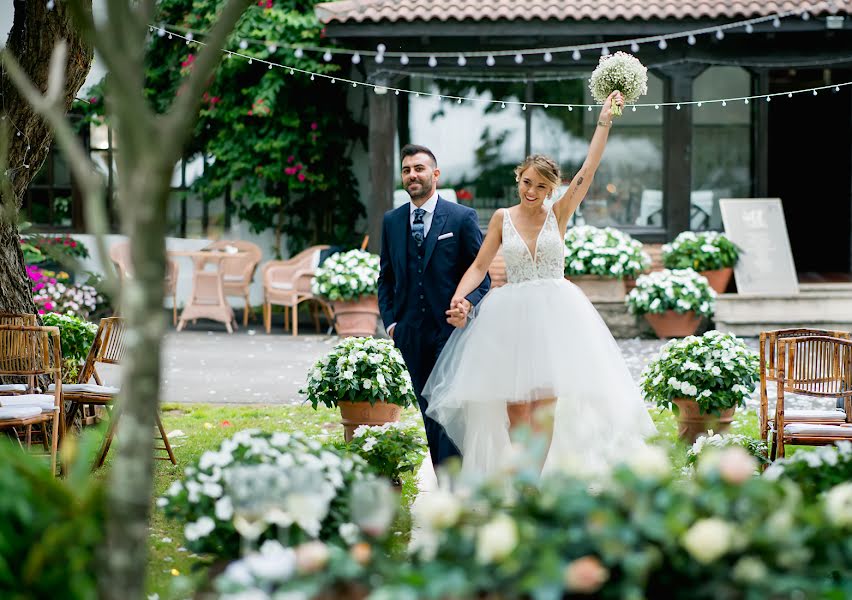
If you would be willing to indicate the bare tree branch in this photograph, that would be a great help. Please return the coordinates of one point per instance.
(50, 107)
(179, 126)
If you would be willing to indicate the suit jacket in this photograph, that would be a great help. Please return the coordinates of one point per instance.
(445, 261)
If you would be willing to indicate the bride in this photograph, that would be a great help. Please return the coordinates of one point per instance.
(536, 345)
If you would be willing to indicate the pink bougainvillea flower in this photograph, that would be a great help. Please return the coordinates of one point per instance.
(291, 158)
(314, 126)
(301, 177)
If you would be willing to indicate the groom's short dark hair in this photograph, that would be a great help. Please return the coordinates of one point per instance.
(412, 149)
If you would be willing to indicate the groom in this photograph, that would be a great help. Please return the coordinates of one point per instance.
(427, 245)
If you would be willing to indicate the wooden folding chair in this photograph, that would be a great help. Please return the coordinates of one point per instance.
(108, 349)
(820, 367)
(9, 389)
(31, 351)
(769, 352)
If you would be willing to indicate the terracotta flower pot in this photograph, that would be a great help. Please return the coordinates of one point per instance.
(356, 317)
(673, 324)
(691, 422)
(600, 289)
(353, 414)
(719, 278)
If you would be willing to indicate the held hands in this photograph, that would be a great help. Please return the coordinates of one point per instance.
(607, 110)
(459, 309)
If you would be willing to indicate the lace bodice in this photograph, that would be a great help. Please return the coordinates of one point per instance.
(549, 259)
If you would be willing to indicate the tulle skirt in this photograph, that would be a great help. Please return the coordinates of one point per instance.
(531, 341)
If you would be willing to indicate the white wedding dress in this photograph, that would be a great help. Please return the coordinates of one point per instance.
(537, 337)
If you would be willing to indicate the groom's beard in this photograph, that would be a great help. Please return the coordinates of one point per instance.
(422, 189)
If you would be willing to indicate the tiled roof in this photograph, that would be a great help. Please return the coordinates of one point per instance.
(349, 11)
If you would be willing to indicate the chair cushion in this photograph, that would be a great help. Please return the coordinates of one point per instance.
(818, 430)
(814, 416)
(86, 388)
(232, 278)
(281, 286)
(13, 387)
(19, 412)
(43, 401)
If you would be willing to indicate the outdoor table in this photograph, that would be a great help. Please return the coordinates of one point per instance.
(207, 299)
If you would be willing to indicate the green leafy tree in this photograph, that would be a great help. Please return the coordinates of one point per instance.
(282, 141)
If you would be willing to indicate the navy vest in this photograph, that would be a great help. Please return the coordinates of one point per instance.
(416, 310)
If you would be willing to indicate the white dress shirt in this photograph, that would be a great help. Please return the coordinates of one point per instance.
(429, 207)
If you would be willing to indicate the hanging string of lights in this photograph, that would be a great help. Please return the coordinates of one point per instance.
(384, 89)
(576, 50)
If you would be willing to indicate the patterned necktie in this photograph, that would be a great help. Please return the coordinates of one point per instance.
(417, 227)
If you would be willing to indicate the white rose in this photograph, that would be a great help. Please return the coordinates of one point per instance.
(650, 462)
(838, 504)
(436, 510)
(708, 539)
(496, 539)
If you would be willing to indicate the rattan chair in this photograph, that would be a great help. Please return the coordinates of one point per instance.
(287, 283)
(238, 272)
(107, 349)
(8, 389)
(815, 366)
(769, 352)
(119, 254)
(32, 351)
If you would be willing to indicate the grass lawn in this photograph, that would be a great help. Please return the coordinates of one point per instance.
(173, 570)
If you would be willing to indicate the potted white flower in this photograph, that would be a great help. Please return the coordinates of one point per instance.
(702, 379)
(366, 378)
(390, 449)
(709, 252)
(672, 301)
(598, 261)
(350, 281)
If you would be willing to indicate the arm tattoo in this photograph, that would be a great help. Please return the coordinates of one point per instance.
(580, 181)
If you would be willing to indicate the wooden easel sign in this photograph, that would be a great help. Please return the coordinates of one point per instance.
(758, 227)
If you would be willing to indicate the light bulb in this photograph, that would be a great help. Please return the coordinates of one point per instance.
(690, 40)
(519, 58)
(433, 61)
(403, 59)
(548, 57)
(634, 47)
(663, 44)
(356, 58)
(327, 56)
(720, 34)
(575, 55)
(462, 60)
(490, 61)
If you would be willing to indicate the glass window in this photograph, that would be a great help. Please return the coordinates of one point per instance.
(721, 143)
(47, 202)
(477, 144)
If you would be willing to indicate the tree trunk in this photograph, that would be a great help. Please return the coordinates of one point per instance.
(34, 33)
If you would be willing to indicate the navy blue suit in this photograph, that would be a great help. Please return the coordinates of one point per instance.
(416, 285)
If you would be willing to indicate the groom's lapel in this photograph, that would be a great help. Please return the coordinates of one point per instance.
(399, 247)
(436, 229)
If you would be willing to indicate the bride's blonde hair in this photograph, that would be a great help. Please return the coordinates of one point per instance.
(544, 166)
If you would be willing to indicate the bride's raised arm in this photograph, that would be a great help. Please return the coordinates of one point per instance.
(479, 267)
(570, 200)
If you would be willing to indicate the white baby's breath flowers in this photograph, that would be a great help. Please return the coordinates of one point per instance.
(620, 71)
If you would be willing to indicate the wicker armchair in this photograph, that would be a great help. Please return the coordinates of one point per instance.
(815, 366)
(769, 351)
(30, 351)
(107, 348)
(287, 283)
(238, 272)
(119, 254)
(9, 389)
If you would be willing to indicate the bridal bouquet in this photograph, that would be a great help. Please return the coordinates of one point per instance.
(622, 72)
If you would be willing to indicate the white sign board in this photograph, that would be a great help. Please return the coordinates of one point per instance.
(757, 226)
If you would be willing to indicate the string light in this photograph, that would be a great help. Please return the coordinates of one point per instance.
(504, 103)
(634, 44)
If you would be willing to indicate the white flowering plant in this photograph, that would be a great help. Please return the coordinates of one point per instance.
(284, 486)
(716, 369)
(701, 251)
(347, 276)
(605, 252)
(620, 71)
(815, 470)
(680, 290)
(390, 449)
(76, 336)
(360, 369)
(642, 534)
(716, 441)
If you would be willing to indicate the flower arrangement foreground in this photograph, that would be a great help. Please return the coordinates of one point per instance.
(347, 276)
(605, 252)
